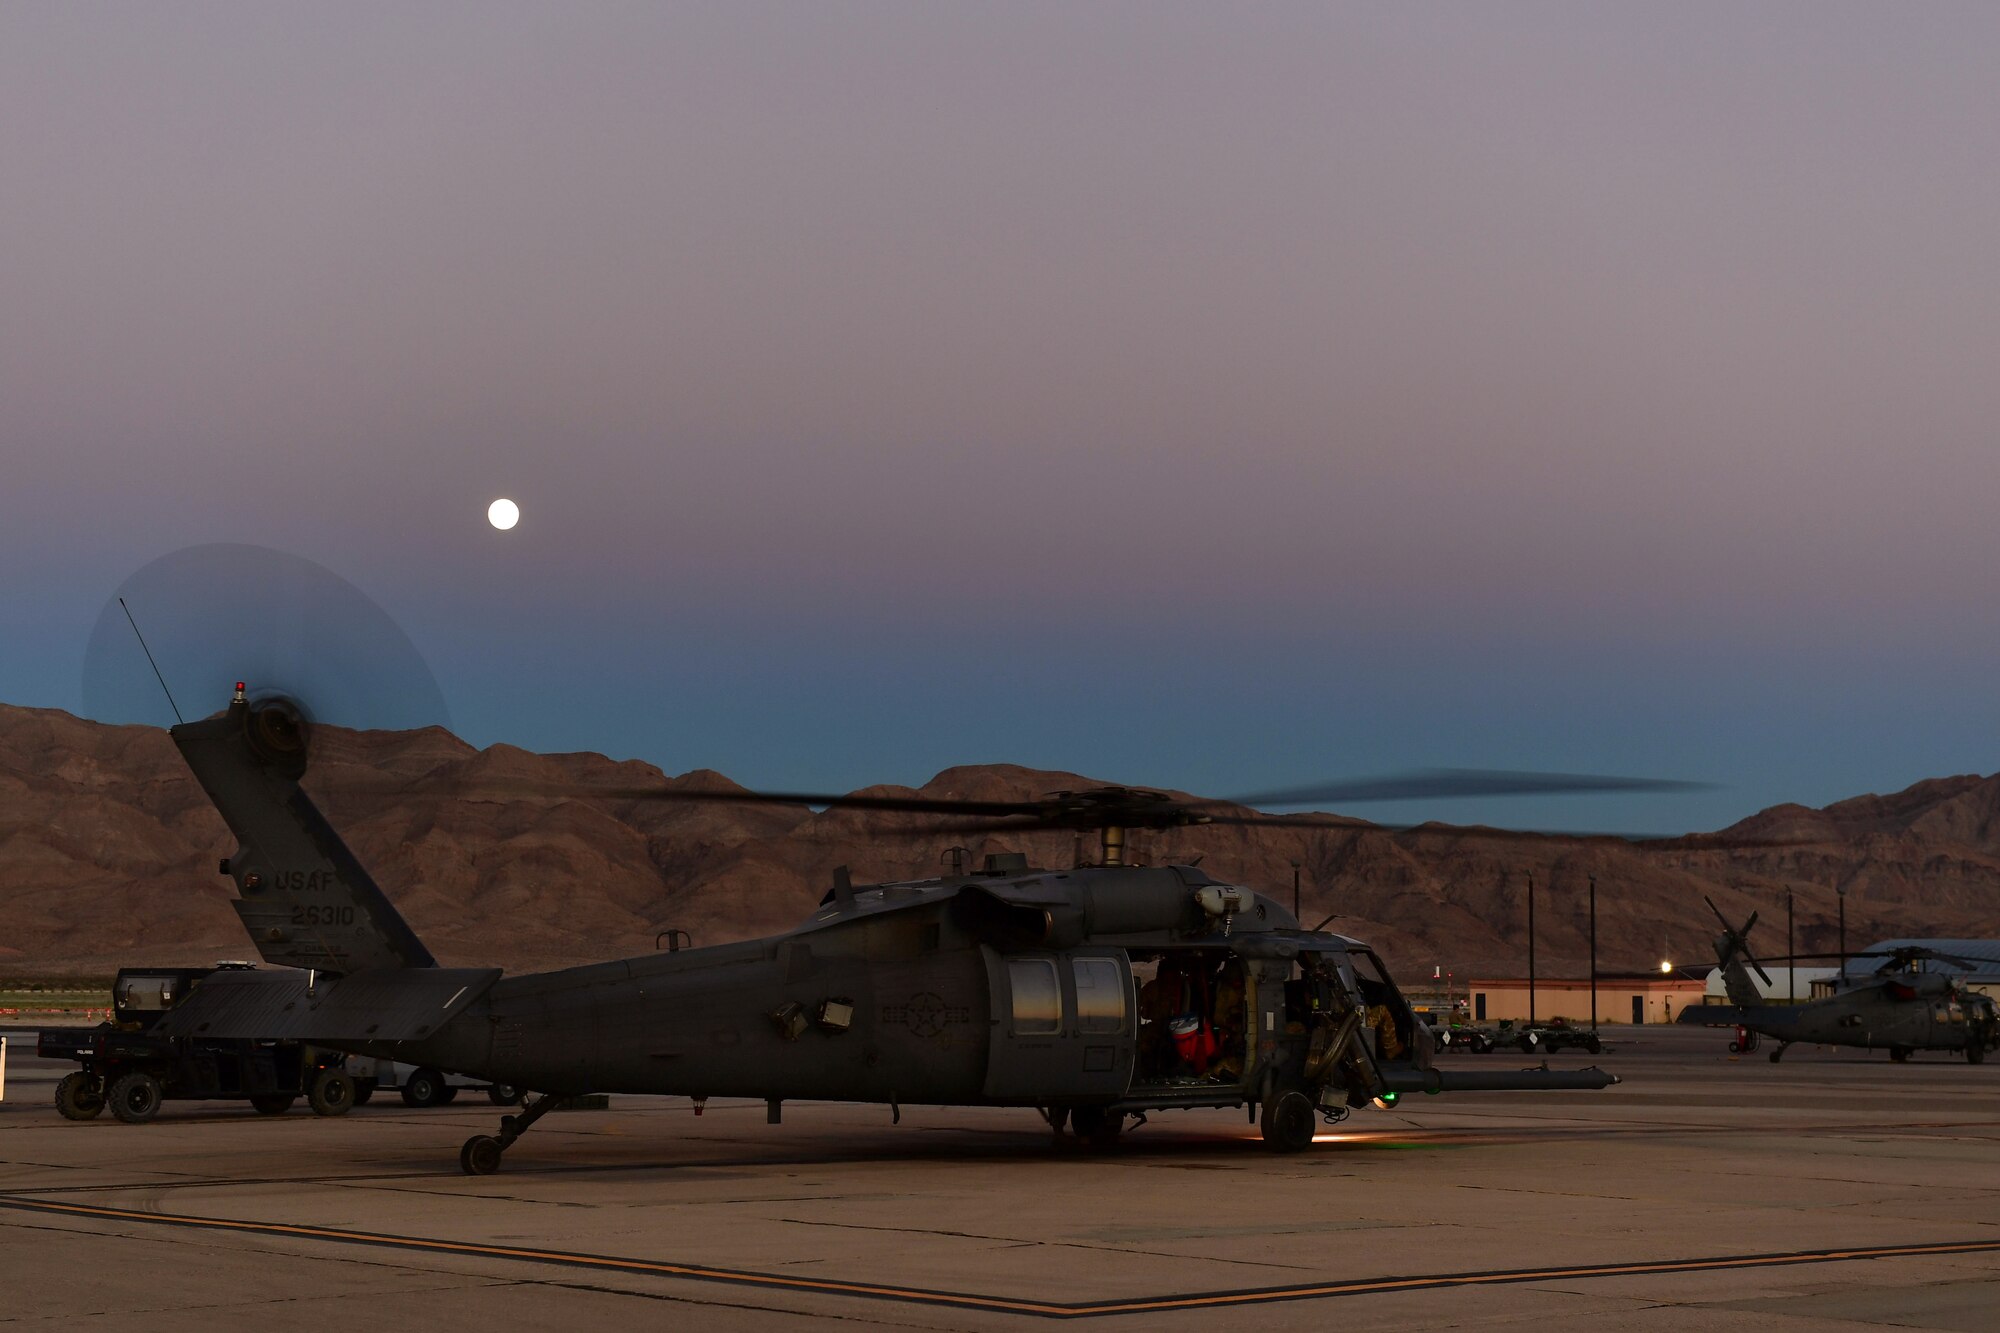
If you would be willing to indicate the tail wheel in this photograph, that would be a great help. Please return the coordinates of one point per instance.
(79, 1097)
(135, 1097)
(1527, 1045)
(1899, 1053)
(1289, 1121)
(273, 1103)
(332, 1092)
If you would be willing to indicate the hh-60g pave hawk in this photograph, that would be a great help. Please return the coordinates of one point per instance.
(1097, 994)
(1903, 1006)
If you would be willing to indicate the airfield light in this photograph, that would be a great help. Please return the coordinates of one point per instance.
(1666, 968)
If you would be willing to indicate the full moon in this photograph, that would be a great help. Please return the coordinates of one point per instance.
(503, 514)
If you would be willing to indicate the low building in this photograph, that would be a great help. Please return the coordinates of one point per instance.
(1786, 985)
(1622, 997)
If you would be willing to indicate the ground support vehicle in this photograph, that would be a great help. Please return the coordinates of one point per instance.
(131, 1069)
(1466, 1037)
(1557, 1037)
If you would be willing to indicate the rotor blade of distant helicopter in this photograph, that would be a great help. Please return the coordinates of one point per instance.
(1912, 955)
(1431, 784)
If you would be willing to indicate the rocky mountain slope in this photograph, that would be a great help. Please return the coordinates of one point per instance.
(108, 856)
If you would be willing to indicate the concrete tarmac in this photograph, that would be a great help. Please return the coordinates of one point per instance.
(1833, 1191)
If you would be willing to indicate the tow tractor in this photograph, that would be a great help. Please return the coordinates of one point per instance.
(127, 1067)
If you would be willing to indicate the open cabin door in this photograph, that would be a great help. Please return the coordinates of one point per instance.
(1062, 1025)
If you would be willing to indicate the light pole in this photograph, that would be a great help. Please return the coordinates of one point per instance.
(1593, 953)
(1531, 948)
(1295, 891)
(1840, 891)
(1791, 953)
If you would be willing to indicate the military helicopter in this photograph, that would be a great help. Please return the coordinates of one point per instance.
(1903, 1005)
(1097, 995)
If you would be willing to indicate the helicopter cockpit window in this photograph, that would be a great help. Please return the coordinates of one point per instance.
(1037, 996)
(1100, 995)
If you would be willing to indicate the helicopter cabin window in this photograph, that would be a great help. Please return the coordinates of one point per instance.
(1100, 995)
(1037, 996)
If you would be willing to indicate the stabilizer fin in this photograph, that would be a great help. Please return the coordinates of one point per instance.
(304, 897)
(397, 1004)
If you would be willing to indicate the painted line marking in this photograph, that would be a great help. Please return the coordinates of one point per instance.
(1004, 1305)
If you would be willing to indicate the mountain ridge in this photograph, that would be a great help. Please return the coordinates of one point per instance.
(108, 854)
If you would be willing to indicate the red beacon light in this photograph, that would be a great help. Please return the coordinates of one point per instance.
(239, 692)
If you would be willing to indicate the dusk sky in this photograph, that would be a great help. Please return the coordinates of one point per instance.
(1217, 397)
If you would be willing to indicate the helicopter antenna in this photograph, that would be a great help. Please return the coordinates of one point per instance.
(149, 660)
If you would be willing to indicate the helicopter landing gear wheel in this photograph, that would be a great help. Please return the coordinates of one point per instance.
(480, 1154)
(1975, 1051)
(1289, 1121)
(1778, 1054)
(1096, 1126)
(1900, 1054)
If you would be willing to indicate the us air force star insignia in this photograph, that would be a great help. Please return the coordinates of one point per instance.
(926, 1014)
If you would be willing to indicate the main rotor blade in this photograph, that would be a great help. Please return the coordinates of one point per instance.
(922, 805)
(1429, 784)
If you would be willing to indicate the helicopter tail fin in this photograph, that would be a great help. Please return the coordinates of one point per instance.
(304, 897)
